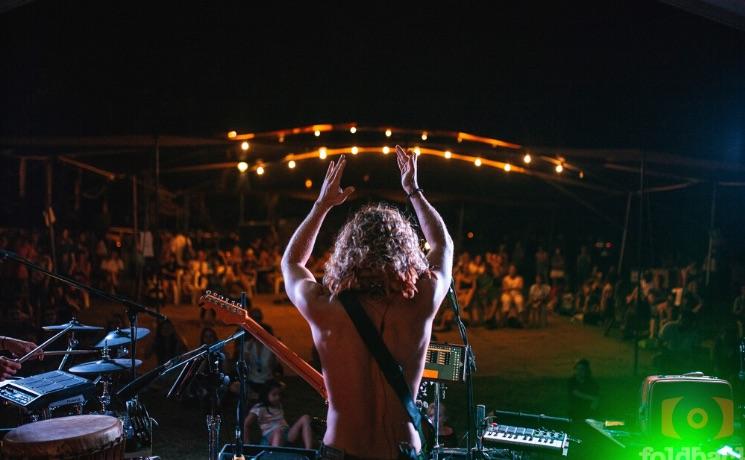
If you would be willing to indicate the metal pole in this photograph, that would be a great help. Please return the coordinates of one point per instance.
(156, 229)
(711, 232)
(625, 234)
(640, 265)
(50, 214)
(136, 238)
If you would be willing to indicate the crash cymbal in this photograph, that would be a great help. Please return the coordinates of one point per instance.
(74, 325)
(103, 366)
(119, 337)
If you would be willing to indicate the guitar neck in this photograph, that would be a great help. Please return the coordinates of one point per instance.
(286, 356)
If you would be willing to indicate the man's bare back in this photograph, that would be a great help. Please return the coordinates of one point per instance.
(365, 417)
(378, 252)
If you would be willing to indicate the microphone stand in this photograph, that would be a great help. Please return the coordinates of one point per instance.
(470, 362)
(241, 370)
(469, 371)
(133, 308)
(214, 379)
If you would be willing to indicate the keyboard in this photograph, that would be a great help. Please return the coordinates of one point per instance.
(520, 438)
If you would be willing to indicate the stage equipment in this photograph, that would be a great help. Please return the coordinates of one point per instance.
(445, 362)
(689, 408)
(527, 439)
(42, 391)
(120, 337)
(88, 437)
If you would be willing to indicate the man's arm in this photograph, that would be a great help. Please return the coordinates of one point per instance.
(300, 284)
(440, 256)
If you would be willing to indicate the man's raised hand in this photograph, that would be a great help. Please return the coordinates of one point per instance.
(331, 192)
(407, 166)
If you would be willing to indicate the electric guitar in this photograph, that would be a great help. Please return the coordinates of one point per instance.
(230, 312)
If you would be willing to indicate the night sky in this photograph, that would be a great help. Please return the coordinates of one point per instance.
(636, 74)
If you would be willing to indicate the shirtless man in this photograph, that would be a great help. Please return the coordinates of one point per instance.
(376, 254)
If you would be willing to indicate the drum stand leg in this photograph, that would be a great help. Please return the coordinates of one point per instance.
(213, 428)
(105, 398)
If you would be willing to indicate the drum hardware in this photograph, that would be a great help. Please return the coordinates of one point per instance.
(138, 429)
(103, 366)
(119, 337)
(105, 398)
(132, 308)
(214, 380)
(73, 325)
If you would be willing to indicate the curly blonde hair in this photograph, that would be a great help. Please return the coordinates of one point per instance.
(377, 251)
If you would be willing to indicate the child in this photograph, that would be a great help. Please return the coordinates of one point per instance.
(269, 414)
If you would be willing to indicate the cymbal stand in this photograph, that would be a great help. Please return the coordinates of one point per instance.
(105, 398)
(72, 343)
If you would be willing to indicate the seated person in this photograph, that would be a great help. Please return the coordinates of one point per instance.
(680, 343)
(738, 310)
(512, 295)
(583, 393)
(538, 297)
(270, 416)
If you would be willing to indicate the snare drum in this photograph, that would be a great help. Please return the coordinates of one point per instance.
(82, 437)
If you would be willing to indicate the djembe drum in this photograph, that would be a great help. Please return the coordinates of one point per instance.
(79, 437)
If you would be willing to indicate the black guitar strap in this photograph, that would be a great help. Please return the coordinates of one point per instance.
(392, 371)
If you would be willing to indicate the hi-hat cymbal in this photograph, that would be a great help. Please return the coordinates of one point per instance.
(119, 337)
(103, 366)
(74, 325)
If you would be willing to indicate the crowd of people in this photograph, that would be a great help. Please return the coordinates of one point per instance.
(174, 268)
(505, 287)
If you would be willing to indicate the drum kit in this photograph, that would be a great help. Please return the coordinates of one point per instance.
(66, 417)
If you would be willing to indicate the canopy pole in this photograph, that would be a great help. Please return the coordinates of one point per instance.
(640, 265)
(712, 219)
(625, 234)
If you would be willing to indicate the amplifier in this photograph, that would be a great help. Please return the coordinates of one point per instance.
(686, 409)
(445, 362)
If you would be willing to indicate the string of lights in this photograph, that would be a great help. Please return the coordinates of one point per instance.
(559, 165)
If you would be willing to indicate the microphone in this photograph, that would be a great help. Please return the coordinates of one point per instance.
(480, 425)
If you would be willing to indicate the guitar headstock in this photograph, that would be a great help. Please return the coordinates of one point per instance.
(226, 310)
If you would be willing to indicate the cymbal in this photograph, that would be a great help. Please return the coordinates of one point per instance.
(75, 326)
(119, 337)
(103, 366)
